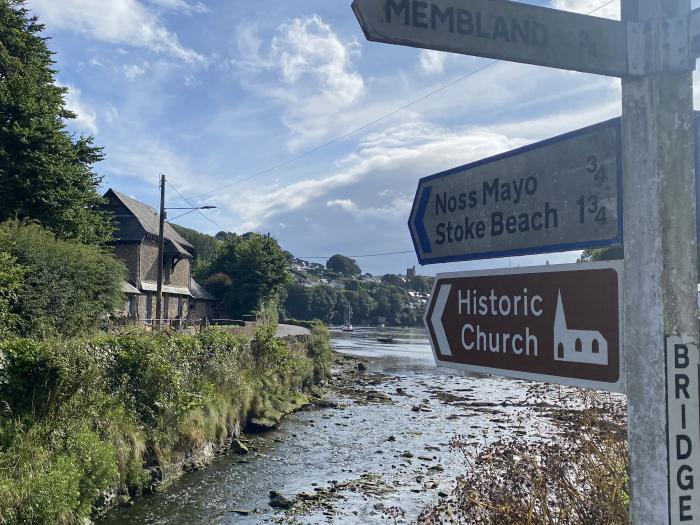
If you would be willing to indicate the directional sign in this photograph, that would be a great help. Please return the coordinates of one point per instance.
(560, 324)
(557, 195)
(683, 428)
(499, 29)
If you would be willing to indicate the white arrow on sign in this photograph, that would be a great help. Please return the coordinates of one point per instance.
(500, 29)
(443, 347)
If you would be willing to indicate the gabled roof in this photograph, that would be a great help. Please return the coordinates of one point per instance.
(145, 221)
(199, 292)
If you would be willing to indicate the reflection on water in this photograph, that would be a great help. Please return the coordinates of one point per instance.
(409, 343)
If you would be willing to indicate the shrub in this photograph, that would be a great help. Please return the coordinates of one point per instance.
(68, 288)
(11, 279)
(579, 478)
(82, 416)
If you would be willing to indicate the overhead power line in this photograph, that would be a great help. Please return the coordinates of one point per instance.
(368, 125)
(195, 208)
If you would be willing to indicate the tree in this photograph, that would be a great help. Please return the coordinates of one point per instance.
(420, 284)
(258, 269)
(344, 265)
(68, 288)
(391, 279)
(602, 254)
(45, 174)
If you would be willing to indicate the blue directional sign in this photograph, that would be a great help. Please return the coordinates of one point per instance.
(557, 195)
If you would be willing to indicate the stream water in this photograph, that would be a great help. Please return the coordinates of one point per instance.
(366, 457)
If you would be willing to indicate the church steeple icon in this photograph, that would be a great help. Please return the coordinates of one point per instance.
(577, 346)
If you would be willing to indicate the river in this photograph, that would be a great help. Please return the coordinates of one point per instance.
(383, 451)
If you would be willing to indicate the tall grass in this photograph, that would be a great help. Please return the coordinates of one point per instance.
(580, 476)
(83, 418)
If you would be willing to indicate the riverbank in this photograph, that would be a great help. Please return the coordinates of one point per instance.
(88, 423)
(378, 449)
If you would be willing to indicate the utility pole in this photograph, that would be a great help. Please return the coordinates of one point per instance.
(660, 247)
(161, 243)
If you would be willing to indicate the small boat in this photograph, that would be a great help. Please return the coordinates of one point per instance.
(347, 327)
(389, 339)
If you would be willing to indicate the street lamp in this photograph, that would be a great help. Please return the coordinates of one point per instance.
(161, 245)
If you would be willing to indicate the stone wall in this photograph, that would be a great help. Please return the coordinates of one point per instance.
(180, 275)
(129, 255)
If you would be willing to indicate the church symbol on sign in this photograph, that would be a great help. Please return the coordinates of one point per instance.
(577, 346)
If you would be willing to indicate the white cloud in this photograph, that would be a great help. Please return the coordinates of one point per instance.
(399, 154)
(596, 7)
(315, 68)
(432, 62)
(180, 5)
(124, 22)
(132, 71)
(307, 48)
(345, 204)
(86, 119)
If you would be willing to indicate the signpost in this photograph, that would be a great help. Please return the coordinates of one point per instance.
(653, 50)
(560, 324)
(499, 29)
(557, 195)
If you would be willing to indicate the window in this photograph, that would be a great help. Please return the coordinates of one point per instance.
(579, 345)
(595, 347)
(560, 350)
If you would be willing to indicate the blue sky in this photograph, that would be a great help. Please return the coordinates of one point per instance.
(212, 91)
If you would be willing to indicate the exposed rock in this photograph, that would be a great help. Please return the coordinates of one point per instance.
(242, 512)
(377, 396)
(239, 448)
(391, 438)
(361, 367)
(261, 424)
(407, 454)
(279, 501)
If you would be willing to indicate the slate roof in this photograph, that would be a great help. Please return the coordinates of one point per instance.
(129, 289)
(143, 221)
(199, 292)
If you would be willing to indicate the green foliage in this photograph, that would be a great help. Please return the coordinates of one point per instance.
(45, 174)
(602, 254)
(11, 279)
(219, 285)
(205, 245)
(68, 288)
(369, 304)
(66, 437)
(258, 269)
(343, 265)
(420, 283)
(53, 477)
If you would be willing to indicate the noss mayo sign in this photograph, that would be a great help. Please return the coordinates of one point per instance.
(558, 324)
(499, 29)
(557, 195)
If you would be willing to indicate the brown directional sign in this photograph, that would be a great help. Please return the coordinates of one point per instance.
(558, 324)
(499, 29)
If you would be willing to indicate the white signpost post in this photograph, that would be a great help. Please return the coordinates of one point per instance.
(653, 49)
